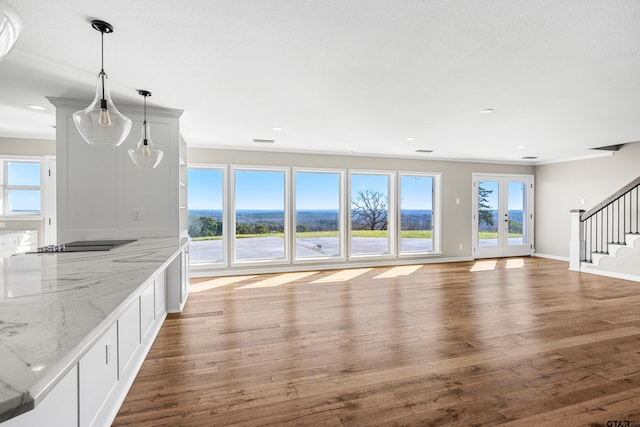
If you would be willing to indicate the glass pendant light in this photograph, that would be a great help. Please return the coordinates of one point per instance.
(101, 123)
(145, 155)
(10, 27)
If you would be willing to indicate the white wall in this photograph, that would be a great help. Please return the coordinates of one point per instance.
(456, 181)
(99, 188)
(561, 186)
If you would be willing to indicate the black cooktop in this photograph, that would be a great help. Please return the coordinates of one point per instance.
(86, 246)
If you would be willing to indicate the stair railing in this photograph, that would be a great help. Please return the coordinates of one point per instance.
(606, 223)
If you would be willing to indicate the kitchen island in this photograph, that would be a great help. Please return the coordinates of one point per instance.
(83, 318)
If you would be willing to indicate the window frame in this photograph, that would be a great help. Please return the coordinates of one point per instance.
(342, 256)
(225, 217)
(5, 188)
(391, 212)
(436, 222)
(286, 259)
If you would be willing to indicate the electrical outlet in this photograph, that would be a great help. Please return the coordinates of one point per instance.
(136, 214)
(460, 246)
(457, 201)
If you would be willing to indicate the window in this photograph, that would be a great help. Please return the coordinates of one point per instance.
(318, 214)
(21, 185)
(261, 215)
(205, 189)
(260, 222)
(370, 213)
(416, 213)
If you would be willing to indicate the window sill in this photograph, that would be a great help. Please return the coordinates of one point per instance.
(21, 218)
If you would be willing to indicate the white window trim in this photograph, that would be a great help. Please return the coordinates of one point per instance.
(436, 217)
(391, 219)
(224, 262)
(342, 256)
(232, 210)
(4, 188)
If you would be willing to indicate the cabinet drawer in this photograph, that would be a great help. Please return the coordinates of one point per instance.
(98, 375)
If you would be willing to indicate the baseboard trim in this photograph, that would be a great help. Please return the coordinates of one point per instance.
(612, 274)
(549, 256)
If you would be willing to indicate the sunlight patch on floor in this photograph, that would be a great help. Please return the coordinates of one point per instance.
(217, 283)
(484, 265)
(343, 275)
(280, 279)
(403, 270)
(515, 263)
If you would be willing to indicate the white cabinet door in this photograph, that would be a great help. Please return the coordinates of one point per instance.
(128, 336)
(160, 293)
(58, 408)
(98, 375)
(147, 310)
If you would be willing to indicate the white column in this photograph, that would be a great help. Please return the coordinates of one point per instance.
(576, 245)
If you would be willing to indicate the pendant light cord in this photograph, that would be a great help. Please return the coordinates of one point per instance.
(144, 124)
(102, 73)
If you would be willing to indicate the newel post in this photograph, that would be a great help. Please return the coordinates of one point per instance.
(576, 245)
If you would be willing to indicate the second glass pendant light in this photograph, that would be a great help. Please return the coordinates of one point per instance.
(145, 155)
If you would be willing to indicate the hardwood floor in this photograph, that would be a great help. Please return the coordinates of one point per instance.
(520, 342)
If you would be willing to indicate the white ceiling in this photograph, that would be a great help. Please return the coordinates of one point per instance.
(346, 76)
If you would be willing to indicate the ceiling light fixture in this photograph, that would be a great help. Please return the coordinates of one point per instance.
(276, 128)
(486, 111)
(37, 107)
(145, 155)
(101, 123)
(410, 139)
(10, 28)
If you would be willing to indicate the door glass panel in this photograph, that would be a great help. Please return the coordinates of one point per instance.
(516, 205)
(317, 214)
(488, 226)
(205, 196)
(416, 202)
(369, 214)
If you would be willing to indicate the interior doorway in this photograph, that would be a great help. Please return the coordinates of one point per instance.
(502, 215)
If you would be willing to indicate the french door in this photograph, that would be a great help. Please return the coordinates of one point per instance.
(502, 215)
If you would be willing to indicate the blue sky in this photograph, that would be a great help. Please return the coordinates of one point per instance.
(514, 197)
(264, 190)
(317, 191)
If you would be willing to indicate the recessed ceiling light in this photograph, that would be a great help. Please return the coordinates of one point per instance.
(486, 111)
(424, 151)
(410, 139)
(264, 141)
(276, 128)
(37, 107)
(521, 147)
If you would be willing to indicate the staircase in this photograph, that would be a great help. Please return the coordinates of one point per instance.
(606, 238)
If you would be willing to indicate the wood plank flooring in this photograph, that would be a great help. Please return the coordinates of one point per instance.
(519, 342)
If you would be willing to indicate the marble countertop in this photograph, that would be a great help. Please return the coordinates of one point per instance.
(54, 306)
